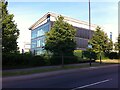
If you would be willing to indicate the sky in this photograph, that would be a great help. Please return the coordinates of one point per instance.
(26, 13)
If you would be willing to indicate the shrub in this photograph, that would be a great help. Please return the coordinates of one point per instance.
(78, 53)
(55, 60)
(37, 61)
(21, 60)
(47, 56)
(69, 58)
(88, 55)
(113, 55)
(103, 56)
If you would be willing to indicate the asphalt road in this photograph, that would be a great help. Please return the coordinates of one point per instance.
(94, 77)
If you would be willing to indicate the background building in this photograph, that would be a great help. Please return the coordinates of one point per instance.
(44, 24)
(27, 46)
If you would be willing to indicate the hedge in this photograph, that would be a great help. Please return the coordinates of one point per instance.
(11, 61)
(21, 61)
(57, 60)
(113, 55)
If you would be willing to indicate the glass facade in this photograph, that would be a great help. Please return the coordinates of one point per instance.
(38, 38)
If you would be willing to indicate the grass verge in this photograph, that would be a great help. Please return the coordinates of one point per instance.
(112, 61)
(33, 71)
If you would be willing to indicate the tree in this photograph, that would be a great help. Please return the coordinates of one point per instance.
(10, 32)
(109, 46)
(100, 42)
(60, 39)
(117, 45)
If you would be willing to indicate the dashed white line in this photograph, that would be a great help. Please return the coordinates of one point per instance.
(92, 84)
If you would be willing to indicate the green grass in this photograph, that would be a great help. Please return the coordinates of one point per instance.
(113, 61)
(16, 73)
(33, 71)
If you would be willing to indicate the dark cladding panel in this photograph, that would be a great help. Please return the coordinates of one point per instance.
(81, 43)
(83, 33)
(82, 36)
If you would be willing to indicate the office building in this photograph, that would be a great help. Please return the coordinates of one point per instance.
(44, 24)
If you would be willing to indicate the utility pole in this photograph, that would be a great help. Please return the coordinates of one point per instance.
(90, 28)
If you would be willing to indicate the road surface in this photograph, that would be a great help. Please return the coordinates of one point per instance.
(94, 77)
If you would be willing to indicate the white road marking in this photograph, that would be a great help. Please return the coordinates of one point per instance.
(93, 67)
(92, 84)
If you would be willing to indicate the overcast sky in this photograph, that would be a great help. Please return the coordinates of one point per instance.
(26, 13)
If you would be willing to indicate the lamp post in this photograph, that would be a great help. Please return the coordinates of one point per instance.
(89, 46)
(89, 18)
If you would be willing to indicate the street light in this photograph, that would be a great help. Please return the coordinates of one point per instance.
(89, 17)
(89, 46)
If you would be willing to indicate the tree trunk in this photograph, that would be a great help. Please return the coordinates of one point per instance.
(100, 58)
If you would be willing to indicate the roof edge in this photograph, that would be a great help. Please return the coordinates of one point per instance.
(55, 15)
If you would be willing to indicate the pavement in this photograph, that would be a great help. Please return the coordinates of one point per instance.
(44, 74)
(73, 79)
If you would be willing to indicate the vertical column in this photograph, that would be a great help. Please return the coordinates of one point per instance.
(90, 28)
(89, 20)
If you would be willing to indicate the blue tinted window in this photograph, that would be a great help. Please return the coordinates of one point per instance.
(38, 43)
(40, 31)
(38, 38)
(33, 44)
(34, 34)
(41, 41)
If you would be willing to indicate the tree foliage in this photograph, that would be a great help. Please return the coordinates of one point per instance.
(60, 39)
(10, 32)
(117, 45)
(100, 41)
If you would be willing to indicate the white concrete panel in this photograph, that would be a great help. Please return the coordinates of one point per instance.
(52, 18)
(40, 24)
(73, 23)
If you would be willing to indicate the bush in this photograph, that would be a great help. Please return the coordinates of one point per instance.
(21, 60)
(88, 55)
(28, 60)
(69, 58)
(78, 53)
(113, 55)
(103, 56)
(55, 60)
(47, 56)
(37, 61)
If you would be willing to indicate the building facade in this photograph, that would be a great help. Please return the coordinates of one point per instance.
(44, 24)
